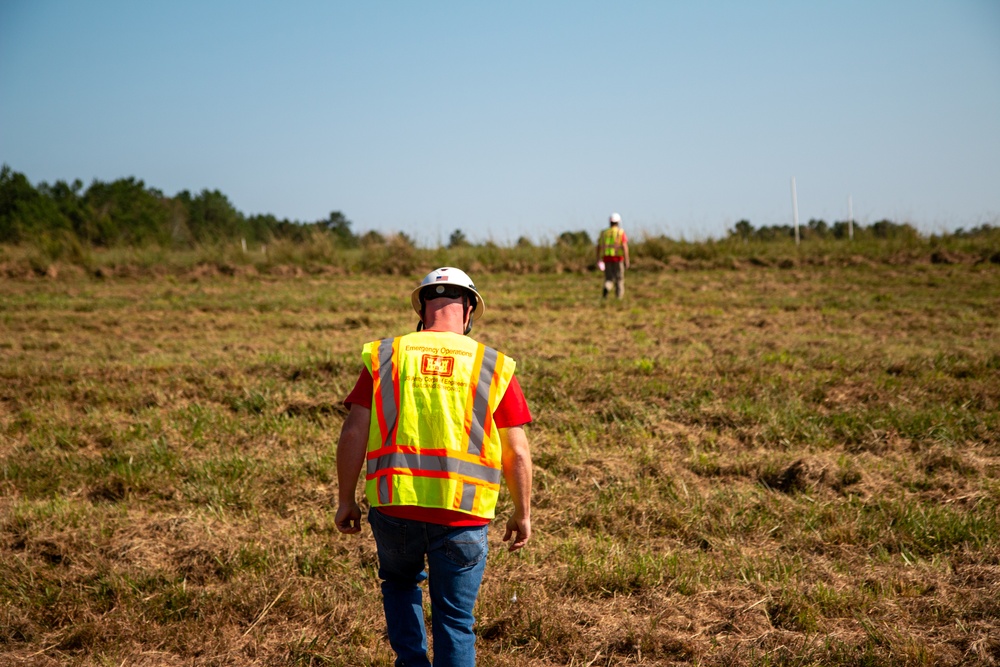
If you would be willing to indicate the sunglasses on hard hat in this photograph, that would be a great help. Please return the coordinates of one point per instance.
(443, 291)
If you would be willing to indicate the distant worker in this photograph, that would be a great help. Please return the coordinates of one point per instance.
(439, 418)
(612, 256)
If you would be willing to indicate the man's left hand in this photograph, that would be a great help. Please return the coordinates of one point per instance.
(520, 530)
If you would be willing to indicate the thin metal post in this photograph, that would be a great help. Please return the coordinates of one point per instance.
(850, 218)
(795, 211)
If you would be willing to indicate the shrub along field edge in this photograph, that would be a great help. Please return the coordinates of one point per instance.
(323, 254)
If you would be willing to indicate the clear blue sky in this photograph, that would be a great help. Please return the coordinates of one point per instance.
(518, 118)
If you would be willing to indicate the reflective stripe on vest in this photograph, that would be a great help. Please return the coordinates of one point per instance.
(385, 377)
(478, 416)
(433, 463)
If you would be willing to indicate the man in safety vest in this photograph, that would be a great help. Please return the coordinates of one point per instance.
(612, 256)
(437, 420)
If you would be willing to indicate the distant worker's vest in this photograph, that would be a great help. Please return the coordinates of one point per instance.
(613, 242)
(432, 441)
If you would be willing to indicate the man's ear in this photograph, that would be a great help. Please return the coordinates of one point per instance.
(468, 318)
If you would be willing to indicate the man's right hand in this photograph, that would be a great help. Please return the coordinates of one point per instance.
(348, 518)
(350, 459)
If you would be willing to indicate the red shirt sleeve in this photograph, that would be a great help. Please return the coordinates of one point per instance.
(512, 411)
(513, 408)
(362, 392)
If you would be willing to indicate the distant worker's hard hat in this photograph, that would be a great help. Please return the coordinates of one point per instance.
(615, 218)
(438, 280)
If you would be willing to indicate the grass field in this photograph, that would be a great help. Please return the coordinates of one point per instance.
(749, 466)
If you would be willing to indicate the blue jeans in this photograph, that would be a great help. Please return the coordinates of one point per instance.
(456, 559)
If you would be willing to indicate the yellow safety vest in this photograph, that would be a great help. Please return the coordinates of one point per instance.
(613, 242)
(432, 441)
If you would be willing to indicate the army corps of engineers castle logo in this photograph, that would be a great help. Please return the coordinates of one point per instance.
(431, 364)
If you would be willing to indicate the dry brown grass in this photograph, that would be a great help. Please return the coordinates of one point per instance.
(733, 467)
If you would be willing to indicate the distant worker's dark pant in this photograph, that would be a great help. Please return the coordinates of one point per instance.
(614, 278)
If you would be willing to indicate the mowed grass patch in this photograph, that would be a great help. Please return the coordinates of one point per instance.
(740, 467)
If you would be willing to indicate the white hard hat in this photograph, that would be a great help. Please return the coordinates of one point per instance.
(448, 275)
(615, 218)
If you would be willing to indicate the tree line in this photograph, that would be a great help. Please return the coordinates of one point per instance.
(126, 212)
(820, 229)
